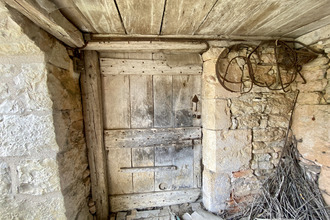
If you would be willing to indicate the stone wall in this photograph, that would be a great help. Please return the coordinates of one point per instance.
(43, 164)
(243, 135)
(312, 117)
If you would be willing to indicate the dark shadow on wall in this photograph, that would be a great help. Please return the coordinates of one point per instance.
(64, 90)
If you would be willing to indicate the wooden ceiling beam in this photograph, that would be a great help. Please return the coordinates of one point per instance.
(148, 46)
(49, 18)
(137, 37)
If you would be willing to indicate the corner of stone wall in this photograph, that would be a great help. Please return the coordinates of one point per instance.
(242, 137)
(312, 115)
(43, 160)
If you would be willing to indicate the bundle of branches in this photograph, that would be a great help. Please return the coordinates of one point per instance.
(289, 193)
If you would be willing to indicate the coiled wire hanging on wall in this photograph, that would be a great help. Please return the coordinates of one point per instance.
(272, 64)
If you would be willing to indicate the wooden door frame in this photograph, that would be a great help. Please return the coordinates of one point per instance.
(93, 121)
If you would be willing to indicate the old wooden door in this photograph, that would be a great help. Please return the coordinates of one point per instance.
(152, 136)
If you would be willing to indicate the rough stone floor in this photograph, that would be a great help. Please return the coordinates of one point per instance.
(186, 211)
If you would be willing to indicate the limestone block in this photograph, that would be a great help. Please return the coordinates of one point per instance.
(309, 98)
(27, 208)
(37, 177)
(69, 129)
(64, 89)
(313, 86)
(72, 165)
(58, 56)
(278, 121)
(210, 149)
(233, 150)
(5, 179)
(247, 104)
(212, 54)
(75, 199)
(246, 186)
(16, 49)
(211, 88)
(23, 88)
(261, 147)
(26, 134)
(216, 190)
(216, 114)
(261, 157)
(248, 121)
(327, 94)
(279, 103)
(324, 180)
(310, 74)
(269, 134)
(319, 62)
(310, 124)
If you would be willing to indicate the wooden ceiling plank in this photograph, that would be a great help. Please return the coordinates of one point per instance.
(240, 13)
(141, 16)
(315, 36)
(102, 14)
(229, 17)
(258, 17)
(309, 27)
(217, 17)
(310, 15)
(71, 12)
(185, 16)
(286, 16)
(50, 19)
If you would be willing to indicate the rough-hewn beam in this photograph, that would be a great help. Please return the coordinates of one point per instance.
(93, 118)
(138, 37)
(147, 46)
(48, 17)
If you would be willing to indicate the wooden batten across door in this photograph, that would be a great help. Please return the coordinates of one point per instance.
(152, 128)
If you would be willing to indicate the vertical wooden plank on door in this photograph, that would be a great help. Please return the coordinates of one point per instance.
(143, 181)
(92, 107)
(180, 156)
(141, 101)
(163, 113)
(186, 112)
(119, 182)
(164, 157)
(116, 101)
(197, 163)
(183, 159)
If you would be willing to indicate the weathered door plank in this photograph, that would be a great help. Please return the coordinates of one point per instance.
(163, 98)
(185, 110)
(132, 138)
(182, 158)
(119, 182)
(146, 67)
(141, 101)
(145, 200)
(197, 164)
(143, 181)
(116, 101)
